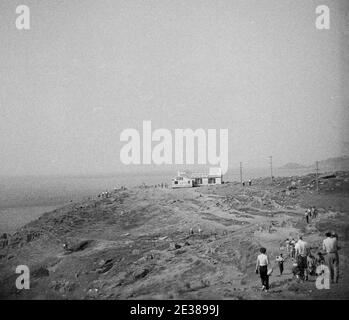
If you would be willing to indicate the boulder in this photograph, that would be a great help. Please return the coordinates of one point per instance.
(175, 246)
(105, 266)
(40, 272)
(77, 246)
(4, 236)
(140, 273)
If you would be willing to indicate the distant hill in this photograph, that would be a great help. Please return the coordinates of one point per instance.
(292, 165)
(337, 163)
(330, 164)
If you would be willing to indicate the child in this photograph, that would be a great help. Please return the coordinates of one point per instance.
(311, 264)
(295, 269)
(320, 264)
(280, 260)
(319, 260)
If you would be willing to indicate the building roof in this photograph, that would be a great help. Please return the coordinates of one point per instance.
(213, 173)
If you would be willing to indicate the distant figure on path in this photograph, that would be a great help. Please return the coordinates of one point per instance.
(330, 246)
(262, 268)
(243, 183)
(199, 230)
(315, 212)
(302, 251)
(307, 213)
(280, 260)
(250, 182)
(293, 250)
(287, 245)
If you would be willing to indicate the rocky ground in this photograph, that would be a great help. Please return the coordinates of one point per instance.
(136, 244)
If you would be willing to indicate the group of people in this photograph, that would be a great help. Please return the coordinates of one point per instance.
(161, 185)
(310, 213)
(249, 183)
(306, 264)
(104, 195)
(303, 262)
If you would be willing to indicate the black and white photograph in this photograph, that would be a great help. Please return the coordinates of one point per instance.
(178, 150)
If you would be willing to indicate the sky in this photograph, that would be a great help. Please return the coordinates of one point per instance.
(87, 70)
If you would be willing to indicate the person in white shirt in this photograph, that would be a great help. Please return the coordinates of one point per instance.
(302, 251)
(330, 246)
(262, 268)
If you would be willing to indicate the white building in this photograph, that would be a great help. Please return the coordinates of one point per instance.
(182, 181)
(185, 179)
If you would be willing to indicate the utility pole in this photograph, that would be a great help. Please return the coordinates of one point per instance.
(271, 168)
(317, 176)
(241, 172)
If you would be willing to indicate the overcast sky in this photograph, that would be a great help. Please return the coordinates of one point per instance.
(86, 70)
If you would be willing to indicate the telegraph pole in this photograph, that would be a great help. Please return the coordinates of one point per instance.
(317, 176)
(241, 172)
(271, 168)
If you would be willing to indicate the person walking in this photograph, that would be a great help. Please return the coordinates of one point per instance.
(262, 268)
(280, 260)
(287, 242)
(311, 264)
(293, 250)
(315, 212)
(302, 251)
(330, 246)
(307, 213)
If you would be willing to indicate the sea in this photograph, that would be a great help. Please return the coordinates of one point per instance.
(25, 198)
